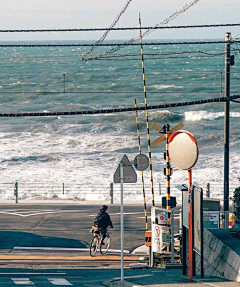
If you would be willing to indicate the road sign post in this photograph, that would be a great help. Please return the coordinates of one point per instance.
(125, 173)
(122, 221)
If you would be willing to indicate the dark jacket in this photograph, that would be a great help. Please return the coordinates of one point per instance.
(105, 221)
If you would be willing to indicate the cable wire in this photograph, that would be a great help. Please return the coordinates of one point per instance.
(108, 30)
(119, 29)
(119, 45)
(119, 110)
(146, 33)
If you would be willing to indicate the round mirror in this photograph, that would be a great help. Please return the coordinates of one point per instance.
(183, 150)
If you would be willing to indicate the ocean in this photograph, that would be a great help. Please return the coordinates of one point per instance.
(84, 150)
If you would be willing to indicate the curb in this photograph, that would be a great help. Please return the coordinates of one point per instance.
(116, 283)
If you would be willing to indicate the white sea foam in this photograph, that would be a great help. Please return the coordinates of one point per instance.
(205, 115)
(160, 87)
(91, 160)
(159, 114)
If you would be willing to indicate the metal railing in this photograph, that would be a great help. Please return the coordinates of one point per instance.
(87, 192)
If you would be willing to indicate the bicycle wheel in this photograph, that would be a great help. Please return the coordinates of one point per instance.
(104, 247)
(93, 245)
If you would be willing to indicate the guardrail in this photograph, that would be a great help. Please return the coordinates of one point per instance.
(86, 192)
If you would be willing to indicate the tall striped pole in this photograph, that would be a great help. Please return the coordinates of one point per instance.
(140, 152)
(147, 123)
(168, 174)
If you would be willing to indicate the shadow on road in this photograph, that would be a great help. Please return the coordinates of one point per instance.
(9, 239)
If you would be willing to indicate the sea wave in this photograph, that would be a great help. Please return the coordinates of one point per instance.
(193, 116)
(160, 87)
(165, 116)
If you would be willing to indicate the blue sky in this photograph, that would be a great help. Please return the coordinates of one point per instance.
(40, 14)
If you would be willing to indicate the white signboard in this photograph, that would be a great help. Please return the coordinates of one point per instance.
(160, 237)
(156, 238)
(186, 208)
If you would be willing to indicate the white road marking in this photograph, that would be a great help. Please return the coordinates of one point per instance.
(38, 212)
(22, 281)
(63, 249)
(26, 210)
(125, 213)
(26, 213)
(59, 281)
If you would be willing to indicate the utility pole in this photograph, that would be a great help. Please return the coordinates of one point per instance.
(226, 126)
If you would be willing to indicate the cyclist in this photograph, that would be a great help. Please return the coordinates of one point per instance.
(102, 221)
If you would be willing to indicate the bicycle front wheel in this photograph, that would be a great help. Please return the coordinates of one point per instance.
(104, 247)
(93, 246)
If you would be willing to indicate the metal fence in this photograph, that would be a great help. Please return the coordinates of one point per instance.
(87, 192)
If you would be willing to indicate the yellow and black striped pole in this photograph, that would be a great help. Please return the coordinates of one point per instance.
(147, 123)
(168, 174)
(140, 151)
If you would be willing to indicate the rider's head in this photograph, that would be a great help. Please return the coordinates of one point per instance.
(104, 208)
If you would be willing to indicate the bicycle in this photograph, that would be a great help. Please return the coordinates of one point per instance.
(96, 242)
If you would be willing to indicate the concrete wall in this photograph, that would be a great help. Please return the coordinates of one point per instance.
(219, 259)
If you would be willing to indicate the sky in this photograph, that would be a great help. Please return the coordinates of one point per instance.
(75, 14)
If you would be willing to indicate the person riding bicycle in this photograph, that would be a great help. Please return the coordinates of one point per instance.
(102, 221)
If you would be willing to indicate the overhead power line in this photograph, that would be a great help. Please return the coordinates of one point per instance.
(179, 55)
(118, 29)
(119, 57)
(119, 44)
(119, 110)
(108, 30)
(147, 32)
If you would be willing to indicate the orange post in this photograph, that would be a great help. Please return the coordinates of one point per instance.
(190, 230)
(148, 238)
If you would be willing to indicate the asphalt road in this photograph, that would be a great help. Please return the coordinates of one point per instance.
(26, 227)
(66, 225)
(75, 278)
(33, 234)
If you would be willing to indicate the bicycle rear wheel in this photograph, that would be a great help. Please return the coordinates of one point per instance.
(104, 247)
(93, 246)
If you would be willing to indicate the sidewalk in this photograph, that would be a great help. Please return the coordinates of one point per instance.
(163, 277)
(170, 276)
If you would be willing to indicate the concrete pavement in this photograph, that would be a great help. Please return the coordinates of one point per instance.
(163, 277)
(170, 276)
